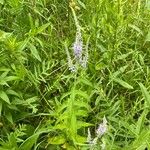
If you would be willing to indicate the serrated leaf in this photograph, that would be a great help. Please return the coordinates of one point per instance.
(4, 97)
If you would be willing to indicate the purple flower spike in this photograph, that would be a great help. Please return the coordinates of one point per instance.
(77, 46)
(102, 128)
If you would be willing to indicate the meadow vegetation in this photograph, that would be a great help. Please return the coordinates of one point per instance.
(74, 74)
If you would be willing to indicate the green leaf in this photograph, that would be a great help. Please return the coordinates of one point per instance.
(34, 52)
(140, 122)
(57, 140)
(41, 28)
(119, 71)
(145, 94)
(8, 116)
(81, 124)
(11, 78)
(147, 37)
(81, 139)
(123, 83)
(136, 28)
(29, 142)
(81, 4)
(22, 45)
(4, 97)
(140, 142)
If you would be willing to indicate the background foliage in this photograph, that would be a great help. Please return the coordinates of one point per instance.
(45, 106)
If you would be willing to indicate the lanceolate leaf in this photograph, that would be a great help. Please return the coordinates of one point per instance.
(4, 97)
(34, 51)
(123, 83)
(145, 94)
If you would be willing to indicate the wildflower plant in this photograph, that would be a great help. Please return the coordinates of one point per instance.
(101, 130)
(81, 57)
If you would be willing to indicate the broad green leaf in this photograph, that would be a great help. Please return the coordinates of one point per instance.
(34, 51)
(145, 94)
(123, 83)
(4, 97)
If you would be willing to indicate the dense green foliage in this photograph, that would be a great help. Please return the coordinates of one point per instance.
(43, 105)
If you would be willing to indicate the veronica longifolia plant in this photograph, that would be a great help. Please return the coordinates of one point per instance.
(78, 48)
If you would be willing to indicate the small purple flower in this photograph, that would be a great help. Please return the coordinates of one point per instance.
(78, 44)
(102, 128)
